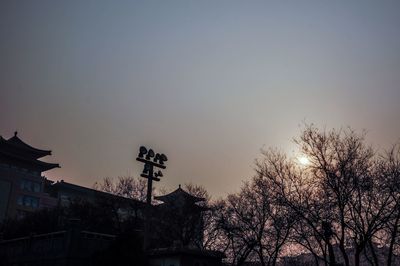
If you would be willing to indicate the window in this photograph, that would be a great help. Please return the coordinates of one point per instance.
(22, 185)
(31, 186)
(34, 202)
(28, 201)
(20, 200)
(36, 187)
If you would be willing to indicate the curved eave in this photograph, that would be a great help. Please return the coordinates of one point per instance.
(42, 166)
(193, 208)
(176, 194)
(48, 166)
(18, 143)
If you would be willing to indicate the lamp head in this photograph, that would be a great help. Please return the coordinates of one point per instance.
(142, 151)
(158, 174)
(150, 154)
(163, 158)
(156, 158)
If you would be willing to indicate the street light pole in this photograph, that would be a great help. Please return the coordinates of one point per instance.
(150, 160)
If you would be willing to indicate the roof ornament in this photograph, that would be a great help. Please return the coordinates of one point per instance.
(179, 185)
(15, 133)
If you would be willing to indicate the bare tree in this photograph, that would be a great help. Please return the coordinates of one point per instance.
(255, 224)
(389, 172)
(211, 238)
(339, 199)
(345, 169)
(293, 187)
(127, 203)
(124, 186)
(215, 237)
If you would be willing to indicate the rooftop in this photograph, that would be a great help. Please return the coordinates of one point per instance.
(177, 194)
(14, 149)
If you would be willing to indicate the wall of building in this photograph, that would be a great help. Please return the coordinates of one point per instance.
(21, 191)
(191, 258)
(166, 261)
(70, 247)
(5, 190)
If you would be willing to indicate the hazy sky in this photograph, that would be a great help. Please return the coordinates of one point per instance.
(208, 83)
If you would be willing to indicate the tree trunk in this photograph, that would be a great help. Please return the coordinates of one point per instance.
(260, 255)
(332, 260)
(371, 246)
(393, 240)
(344, 254)
(243, 258)
(357, 257)
(316, 259)
(275, 257)
(391, 246)
(341, 244)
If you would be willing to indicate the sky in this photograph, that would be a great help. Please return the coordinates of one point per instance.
(208, 83)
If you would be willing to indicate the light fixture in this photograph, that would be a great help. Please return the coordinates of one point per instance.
(158, 174)
(163, 158)
(142, 151)
(150, 154)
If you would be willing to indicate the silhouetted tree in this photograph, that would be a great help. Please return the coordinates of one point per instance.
(215, 237)
(126, 207)
(345, 170)
(255, 224)
(339, 199)
(124, 186)
(389, 172)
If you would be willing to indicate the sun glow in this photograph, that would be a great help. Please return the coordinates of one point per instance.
(303, 160)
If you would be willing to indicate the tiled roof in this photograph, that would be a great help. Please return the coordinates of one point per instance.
(14, 149)
(179, 193)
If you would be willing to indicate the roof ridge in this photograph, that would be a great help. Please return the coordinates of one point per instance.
(20, 144)
(181, 191)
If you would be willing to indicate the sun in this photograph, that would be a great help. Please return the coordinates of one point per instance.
(303, 160)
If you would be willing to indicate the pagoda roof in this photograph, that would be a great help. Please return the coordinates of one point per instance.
(43, 166)
(14, 149)
(177, 194)
(27, 149)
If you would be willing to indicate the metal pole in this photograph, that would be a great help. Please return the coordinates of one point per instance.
(149, 185)
(150, 161)
(147, 237)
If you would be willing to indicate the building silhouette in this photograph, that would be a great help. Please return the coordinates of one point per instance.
(22, 186)
(178, 232)
(176, 223)
(178, 219)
